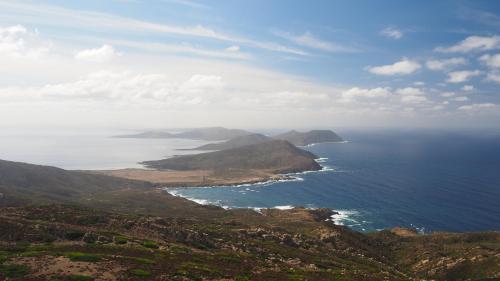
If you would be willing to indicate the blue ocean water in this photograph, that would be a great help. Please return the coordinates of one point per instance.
(430, 180)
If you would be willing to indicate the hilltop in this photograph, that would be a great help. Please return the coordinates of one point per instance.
(235, 142)
(210, 134)
(275, 155)
(311, 137)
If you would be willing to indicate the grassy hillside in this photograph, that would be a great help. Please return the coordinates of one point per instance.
(306, 138)
(276, 155)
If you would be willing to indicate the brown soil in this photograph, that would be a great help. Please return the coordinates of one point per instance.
(193, 178)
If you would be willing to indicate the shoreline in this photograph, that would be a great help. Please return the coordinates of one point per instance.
(207, 178)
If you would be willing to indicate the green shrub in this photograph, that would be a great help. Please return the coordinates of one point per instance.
(14, 270)
(120, 240)
(142, 260)
(77, 256)
(140, 272)
(150, 244)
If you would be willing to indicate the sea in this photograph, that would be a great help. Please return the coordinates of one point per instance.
(431, 180)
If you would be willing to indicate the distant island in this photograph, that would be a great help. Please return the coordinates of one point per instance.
(311, 137)
(209, 134)
(236, 138)
(57, 224)
(246, 164)
(244, 158)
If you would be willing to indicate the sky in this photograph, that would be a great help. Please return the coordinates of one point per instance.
(249, 64)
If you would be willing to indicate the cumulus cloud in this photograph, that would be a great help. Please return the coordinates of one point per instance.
(462, 76)
(473, 43)
(476, 107)
(402, 67)
(492, 61)
(18, 42)
(392, 32)
(411, 95)
(352, 94)
(445, 63)
(104, 53)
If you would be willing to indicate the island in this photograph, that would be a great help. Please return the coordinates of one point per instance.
(264, 161)
(308, 138)
(57, 224)
(209, 134)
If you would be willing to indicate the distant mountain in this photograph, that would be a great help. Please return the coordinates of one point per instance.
(210, 134)
(306, 138)
(276, 155)
(235, 142)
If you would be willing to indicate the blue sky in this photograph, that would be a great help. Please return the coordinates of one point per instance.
(264, 63)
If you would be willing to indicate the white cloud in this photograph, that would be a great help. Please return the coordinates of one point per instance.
(410, 91)
(352, 94)
(231, 52)
(476, 107)
(445, 63)
(402, 67)
(461, 99)
(17, 42)
(462, 76)
(98, 21)
(411, 95)
(392, 32)
(413, 99)
(104, 53)
(473, 43)
(494, 77)
(491, 61)
(468, 88)
(234, 48)
(447, 94)
(419, 83)
(307, 39)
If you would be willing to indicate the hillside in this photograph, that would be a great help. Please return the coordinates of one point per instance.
(235, 142)
(209, 134)
(275, 155)
(22, 183)
(306, 138)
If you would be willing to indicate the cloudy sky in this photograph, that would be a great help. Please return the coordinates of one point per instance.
(251, 64)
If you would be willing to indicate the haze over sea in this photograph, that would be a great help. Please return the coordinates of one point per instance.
(429, 179)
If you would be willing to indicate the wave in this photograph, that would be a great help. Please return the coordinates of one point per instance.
(313, 144)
